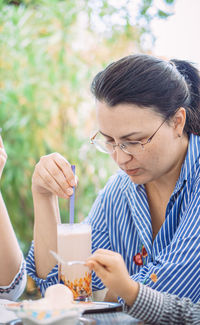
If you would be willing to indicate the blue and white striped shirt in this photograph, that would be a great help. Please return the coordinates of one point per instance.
(121, 221)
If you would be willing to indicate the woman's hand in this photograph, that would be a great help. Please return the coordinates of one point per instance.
(110, 268)
(53, 175)
(3, 156)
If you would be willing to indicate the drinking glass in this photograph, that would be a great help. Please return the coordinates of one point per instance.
(74, 244)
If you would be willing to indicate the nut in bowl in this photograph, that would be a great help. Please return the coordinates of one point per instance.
(56, 307)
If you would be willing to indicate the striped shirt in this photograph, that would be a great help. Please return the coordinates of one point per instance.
(157, 308)
(121, 221)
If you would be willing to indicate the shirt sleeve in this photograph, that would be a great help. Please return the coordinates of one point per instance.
(14, 290)
(162, 309)
(43, 284)
(176, 268)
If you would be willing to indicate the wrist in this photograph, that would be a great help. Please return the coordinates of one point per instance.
(41, 192)
(131, 292)
(46, 209)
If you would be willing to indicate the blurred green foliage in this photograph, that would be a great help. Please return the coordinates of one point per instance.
(49, 52)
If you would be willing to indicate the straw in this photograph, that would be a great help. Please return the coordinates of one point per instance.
(71, 202)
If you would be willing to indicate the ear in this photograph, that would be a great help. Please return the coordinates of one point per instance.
(179, 120)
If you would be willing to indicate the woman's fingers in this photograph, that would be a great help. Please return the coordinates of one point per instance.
(54, 174)
(107, 261)
(105, 252)
(108, 255)
(58, 177)
(98, 269)
(66, 169)
(112, 262)
(46, 181)
(102, 259)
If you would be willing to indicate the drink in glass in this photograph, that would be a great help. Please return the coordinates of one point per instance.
(74, 244)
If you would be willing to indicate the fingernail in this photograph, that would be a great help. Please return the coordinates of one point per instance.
(70, 191)
(72, 182)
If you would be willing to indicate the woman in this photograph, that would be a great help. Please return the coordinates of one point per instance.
(141, 301)
(148, 111)
(12, 270)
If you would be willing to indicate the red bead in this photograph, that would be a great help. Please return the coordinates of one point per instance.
(138, 259)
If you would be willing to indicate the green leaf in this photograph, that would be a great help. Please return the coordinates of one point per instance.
(162, 14)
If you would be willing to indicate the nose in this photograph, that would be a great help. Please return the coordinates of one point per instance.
(121, 157)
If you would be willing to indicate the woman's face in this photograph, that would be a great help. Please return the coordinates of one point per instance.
(128, 122)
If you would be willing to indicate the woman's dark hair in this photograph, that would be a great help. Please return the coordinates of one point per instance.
(148, 81)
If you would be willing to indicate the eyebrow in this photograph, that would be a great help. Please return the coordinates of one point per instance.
(123, 137)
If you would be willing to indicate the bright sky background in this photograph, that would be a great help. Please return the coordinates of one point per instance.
(179, 35)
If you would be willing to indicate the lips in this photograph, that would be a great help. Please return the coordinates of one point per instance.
(131, 172)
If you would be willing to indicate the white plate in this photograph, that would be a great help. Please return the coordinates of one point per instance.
(45, 317)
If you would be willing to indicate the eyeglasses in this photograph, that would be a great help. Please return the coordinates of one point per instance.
(129, 147)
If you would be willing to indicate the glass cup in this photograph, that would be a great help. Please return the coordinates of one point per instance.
(74, 244)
